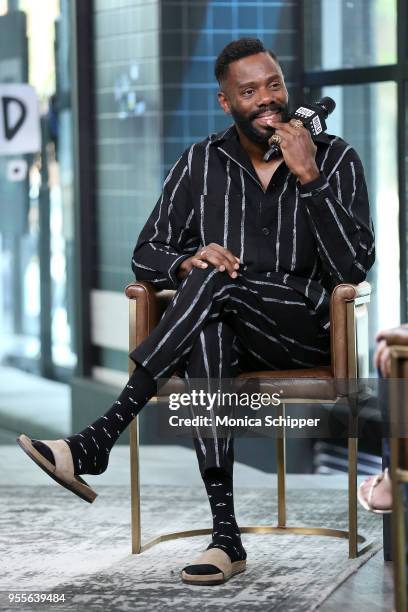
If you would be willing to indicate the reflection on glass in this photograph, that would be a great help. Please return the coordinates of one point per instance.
(22, 260)
(346, 34)
(366, 117)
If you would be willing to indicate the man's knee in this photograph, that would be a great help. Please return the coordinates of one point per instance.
(218, 331)
(203, 273)
(206, 279)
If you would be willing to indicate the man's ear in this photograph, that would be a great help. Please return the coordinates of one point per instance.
(222, 99)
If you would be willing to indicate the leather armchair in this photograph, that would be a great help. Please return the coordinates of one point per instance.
(349, 360)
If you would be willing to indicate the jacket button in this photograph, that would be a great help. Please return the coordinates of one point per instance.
(266, 231)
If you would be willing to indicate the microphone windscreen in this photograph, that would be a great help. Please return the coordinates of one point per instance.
(328, 104)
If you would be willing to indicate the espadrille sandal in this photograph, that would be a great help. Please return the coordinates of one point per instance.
(63, 470)
(217, 558)
(367, 502)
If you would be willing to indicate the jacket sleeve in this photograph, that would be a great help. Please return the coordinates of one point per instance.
(168, 237)
(339, 215)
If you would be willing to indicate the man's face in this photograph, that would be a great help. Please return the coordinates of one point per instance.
(254, 90)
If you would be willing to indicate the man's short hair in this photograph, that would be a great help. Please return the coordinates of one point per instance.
(236, 50)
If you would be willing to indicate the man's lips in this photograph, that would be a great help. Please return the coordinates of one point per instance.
(268, 119)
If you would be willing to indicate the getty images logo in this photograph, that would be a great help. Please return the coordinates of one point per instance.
(208, 401)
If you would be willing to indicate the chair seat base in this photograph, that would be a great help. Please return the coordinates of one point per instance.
(257, 529)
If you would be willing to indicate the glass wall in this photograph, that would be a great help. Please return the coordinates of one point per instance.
(346, 46)
(341, 34)
(356, 119)
(36, 235)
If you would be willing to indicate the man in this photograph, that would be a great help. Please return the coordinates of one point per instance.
(254, 249)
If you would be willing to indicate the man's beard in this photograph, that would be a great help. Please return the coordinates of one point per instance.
(246, 125)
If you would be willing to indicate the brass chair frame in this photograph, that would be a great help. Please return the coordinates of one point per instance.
(399, 477)
(357, 331)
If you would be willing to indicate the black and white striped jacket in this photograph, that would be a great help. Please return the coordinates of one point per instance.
(310, 237)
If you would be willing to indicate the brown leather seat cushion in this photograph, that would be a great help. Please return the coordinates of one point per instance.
(311, 383)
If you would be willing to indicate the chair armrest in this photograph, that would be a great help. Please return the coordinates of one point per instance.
(146, 308)
(399, 360)
(348, 320)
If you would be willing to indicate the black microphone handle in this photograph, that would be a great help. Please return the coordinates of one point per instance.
(274, 151)
(326, 106)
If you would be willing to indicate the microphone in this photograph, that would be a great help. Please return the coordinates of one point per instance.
(312, 116)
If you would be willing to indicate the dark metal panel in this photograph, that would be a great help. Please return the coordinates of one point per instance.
(44, 253)
(351, 76)
(83, 137)
(297, 51)
(402, 140)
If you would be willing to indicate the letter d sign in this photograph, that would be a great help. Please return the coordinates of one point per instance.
(19, 120)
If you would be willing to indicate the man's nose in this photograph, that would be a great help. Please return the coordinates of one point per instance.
(266, 97)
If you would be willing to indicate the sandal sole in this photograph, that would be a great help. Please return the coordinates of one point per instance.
(213, 579)
(87, 495)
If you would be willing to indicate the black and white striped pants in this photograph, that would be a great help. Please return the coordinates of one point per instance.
(216, 327)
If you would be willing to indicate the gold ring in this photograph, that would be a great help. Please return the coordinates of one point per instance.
(276, 139)
(297, 123)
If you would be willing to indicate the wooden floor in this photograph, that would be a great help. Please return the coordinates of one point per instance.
(370, 589)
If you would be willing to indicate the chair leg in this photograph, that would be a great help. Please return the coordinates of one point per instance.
(399, 550)
(352, 496)
(281, 472)
(398, 533)
(135, 486)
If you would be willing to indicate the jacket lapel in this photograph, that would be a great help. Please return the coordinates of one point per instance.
(228, 144)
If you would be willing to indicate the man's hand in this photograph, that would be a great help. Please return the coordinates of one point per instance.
(385, 338)
(395, 335)
(213, 253)
(382, 358)
(298, 150)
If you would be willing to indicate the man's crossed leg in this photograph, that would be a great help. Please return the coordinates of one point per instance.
(214, 327)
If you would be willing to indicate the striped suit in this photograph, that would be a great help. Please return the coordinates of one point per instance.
(295, 243)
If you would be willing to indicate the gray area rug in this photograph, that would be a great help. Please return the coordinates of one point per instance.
(53, 541)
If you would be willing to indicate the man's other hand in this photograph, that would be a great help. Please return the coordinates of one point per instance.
(214, 254)
(382, 358)
(385, 338)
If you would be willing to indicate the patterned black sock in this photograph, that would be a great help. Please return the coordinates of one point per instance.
(226, 534)
(90, 447)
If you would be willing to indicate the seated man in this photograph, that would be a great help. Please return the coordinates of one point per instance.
(253, 249)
